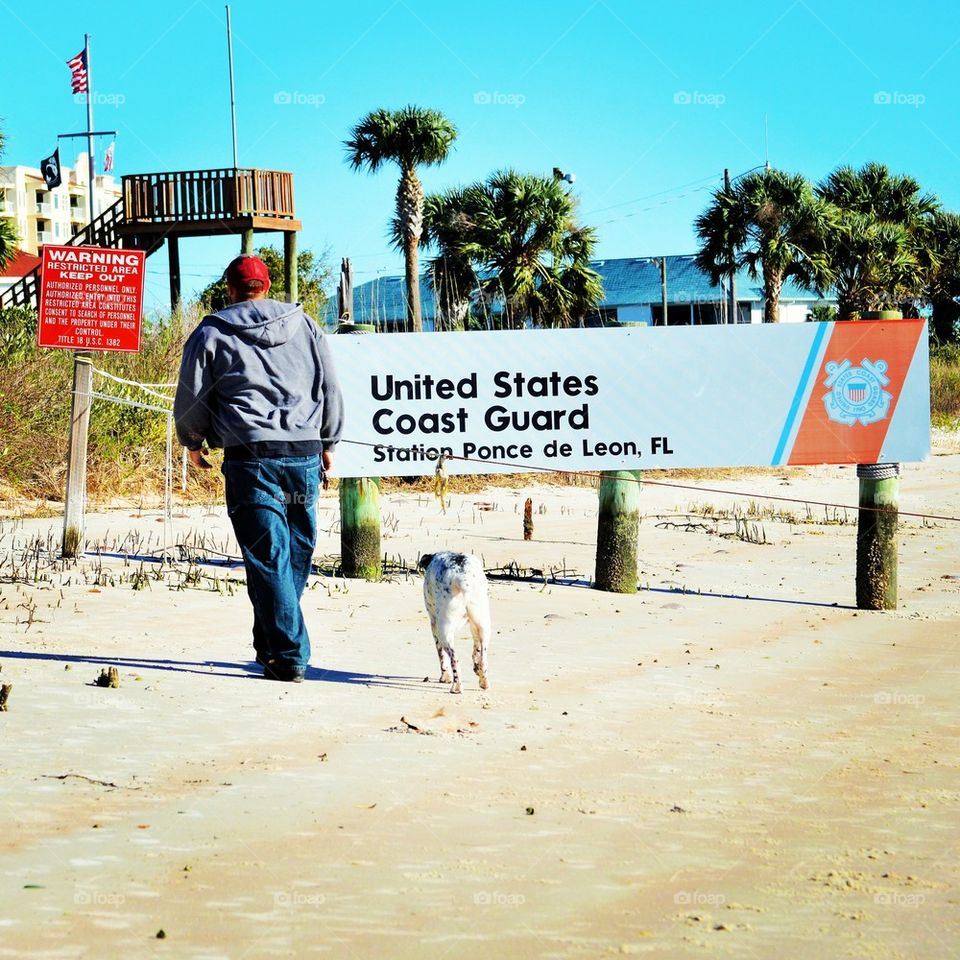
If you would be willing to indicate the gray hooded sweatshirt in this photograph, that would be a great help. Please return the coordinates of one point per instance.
(257, 370)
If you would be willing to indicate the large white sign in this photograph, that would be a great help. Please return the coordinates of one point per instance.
(617, 399)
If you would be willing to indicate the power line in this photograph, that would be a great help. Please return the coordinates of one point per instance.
(672, 194)
(650, 196)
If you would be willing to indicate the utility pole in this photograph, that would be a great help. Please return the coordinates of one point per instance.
(663, 289)
(233, 100)
(733, 268)
(91, 170)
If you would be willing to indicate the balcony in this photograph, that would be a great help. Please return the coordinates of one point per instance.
(44, 210)
(44, 236)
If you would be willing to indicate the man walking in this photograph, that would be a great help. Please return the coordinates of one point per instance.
(257, 379)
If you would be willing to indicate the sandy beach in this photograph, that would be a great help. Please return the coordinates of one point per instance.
(734, 762)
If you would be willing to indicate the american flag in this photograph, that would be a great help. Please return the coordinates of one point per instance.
(78, 72)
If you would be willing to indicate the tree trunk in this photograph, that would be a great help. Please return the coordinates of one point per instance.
(410, 214)
(944, 322)
(772, 285)
(846, 310)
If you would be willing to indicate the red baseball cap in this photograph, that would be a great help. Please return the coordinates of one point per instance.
(244, 268)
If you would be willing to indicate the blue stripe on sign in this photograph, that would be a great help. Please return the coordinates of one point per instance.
(801, 391)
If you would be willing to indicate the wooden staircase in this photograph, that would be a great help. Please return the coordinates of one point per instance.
(101, 233)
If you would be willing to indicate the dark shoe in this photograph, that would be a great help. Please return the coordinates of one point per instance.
(263, 662)
(277, 671)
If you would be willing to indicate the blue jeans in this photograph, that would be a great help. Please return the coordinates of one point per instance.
(272, 505)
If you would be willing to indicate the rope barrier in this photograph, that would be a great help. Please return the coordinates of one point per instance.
(595, 475)
(129, 403)
(878, 471)
(145, 387)
(153, 408)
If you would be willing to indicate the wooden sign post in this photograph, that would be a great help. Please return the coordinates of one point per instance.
(359, 497)
(617, 527)
(91, 298)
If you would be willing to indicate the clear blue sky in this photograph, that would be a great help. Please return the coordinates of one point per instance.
(637, 99)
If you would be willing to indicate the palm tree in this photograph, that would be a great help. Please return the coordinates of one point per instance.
(515, 240)
(943, 285)
(446, 224)
(878, 240)
(8, 241)
(874, 191)
(411, 138)
(769, 222)
(8, 232)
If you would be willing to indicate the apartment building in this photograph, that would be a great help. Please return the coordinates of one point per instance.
(51, 216)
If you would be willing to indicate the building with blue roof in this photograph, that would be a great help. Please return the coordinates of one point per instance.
(632, 294)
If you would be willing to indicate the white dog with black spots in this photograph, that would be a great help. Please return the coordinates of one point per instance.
(455, 592)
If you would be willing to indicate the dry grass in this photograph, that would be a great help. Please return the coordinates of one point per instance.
(945, 387)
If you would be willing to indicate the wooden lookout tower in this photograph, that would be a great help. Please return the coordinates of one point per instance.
(188, 203)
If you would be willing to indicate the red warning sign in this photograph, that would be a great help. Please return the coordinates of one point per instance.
(91, 298)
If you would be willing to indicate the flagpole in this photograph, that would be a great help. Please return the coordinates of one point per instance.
(233, 101)
(91, 170)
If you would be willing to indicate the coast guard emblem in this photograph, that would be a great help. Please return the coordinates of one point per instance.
(857, 392)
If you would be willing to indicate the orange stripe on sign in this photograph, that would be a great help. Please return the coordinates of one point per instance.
(823, 440)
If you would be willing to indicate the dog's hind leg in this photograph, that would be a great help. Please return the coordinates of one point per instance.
(445, 634)
(480, 628)
(444, 673)
(456, 673)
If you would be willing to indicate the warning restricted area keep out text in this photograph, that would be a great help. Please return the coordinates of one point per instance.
(91, 298)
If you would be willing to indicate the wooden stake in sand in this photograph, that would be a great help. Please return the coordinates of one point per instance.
(5, 689)
(617, 527)
(877, 536)
(109, 677)
(75, 500)
(528, 519)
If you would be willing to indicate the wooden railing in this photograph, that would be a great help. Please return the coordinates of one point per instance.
(191, 195)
